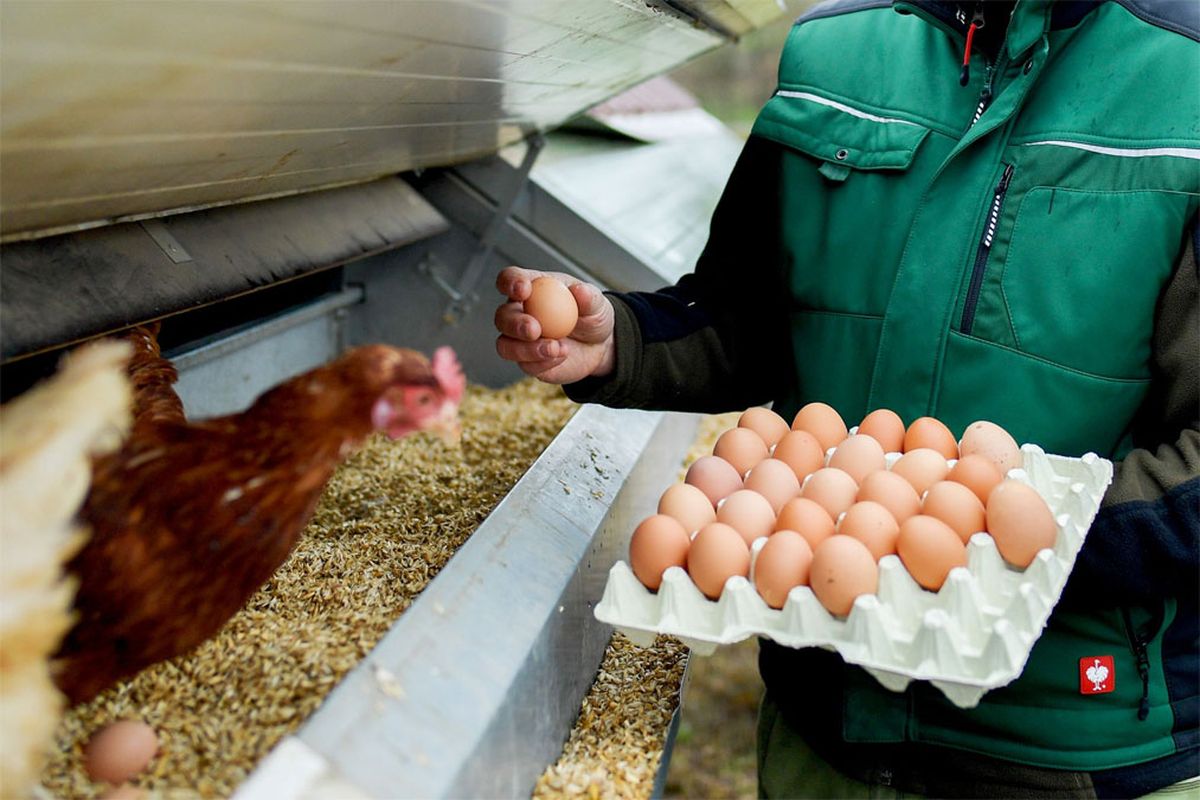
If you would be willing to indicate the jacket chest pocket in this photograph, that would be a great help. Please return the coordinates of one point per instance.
(1076, 276)
(847, 196)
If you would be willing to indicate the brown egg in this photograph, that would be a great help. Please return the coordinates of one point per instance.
(929, 549)
(957, 506)
(823, 422)
(801, 451)
(931, 433)
(741, 447)
(873, 525)
(120, 751)
(892, 492)
(775, 481)
(657, 544)
(842, 569)
(690, 506)
(714, 476)
(832, 489)
(807, 518)
(885, 427)
(781, 566)
(976, 473)
(1020, 522)
(858, 456)
(766, 423)
(993, 443)
(922, 468)
(717, 554)
(748, 513)
(552, 304)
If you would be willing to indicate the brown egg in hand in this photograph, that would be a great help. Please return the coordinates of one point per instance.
(842, 570)
(782, 565)
(551, 303)
(657, 544)
(717, 554)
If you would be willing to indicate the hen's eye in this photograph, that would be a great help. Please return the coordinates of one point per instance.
(425, 399)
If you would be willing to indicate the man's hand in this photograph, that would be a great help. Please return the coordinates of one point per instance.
(588, 350)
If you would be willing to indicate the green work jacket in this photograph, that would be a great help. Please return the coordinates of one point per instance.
(1004, 251)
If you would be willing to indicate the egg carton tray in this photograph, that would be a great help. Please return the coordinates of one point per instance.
(971, 636)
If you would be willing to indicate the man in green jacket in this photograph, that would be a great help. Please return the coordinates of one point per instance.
(970, 211)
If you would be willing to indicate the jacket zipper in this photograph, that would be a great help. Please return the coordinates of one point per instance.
(985, 247)
(985, 94)
(1143, 663)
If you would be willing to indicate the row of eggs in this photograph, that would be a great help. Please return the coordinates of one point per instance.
(830, 507)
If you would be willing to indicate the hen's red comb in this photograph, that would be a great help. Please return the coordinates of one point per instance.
(449, 373)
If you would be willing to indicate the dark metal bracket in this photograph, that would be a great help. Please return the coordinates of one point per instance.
(464, 294)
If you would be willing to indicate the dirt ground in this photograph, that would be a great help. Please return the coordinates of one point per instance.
(714, 749)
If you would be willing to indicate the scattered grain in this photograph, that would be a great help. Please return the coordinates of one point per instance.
(616, 747)
(389, 520)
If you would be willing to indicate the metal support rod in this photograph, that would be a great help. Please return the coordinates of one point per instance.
(464, 295)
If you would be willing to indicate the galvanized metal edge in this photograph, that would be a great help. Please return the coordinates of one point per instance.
(476, 687)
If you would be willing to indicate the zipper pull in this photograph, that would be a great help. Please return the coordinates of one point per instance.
(964, 75)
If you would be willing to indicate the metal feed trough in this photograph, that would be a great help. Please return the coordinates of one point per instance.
(284, 180)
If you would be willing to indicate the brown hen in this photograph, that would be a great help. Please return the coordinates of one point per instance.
(189, 519)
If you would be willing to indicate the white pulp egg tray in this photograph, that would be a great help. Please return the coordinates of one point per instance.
(972, 635)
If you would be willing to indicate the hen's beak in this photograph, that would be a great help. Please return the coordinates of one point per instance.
(446, 425)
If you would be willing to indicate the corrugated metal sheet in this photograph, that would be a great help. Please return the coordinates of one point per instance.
(115, 109)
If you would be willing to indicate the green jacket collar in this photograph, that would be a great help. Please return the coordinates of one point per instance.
(1031, 19)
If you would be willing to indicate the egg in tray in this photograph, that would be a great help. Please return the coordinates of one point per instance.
(911, 553)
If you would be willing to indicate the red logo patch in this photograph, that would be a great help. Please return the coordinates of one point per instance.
(1097, 675)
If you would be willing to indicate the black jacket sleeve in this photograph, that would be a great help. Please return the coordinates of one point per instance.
(1145, 542)
(718, 340)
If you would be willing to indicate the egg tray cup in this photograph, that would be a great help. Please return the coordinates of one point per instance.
(971, 636)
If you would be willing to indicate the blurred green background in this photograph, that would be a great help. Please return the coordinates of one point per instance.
(732, 83)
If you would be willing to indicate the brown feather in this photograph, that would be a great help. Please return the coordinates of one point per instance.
(189, 519)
